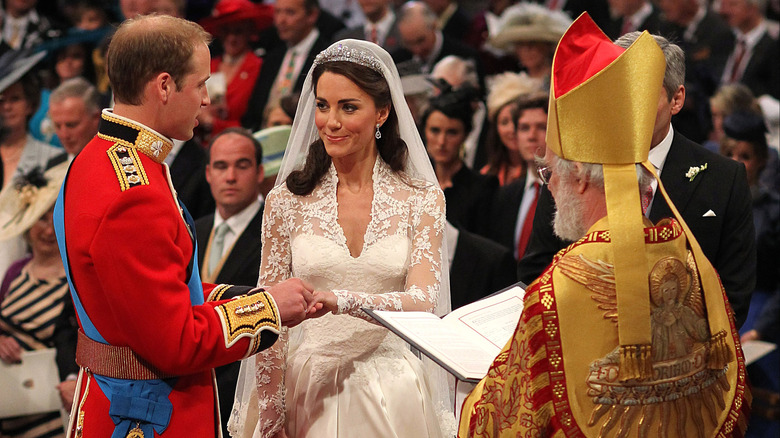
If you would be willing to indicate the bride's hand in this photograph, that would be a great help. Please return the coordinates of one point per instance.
(324, 301)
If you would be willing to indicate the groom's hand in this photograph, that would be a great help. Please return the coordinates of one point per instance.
(295, 300)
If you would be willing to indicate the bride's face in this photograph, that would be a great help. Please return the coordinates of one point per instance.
(346, 117)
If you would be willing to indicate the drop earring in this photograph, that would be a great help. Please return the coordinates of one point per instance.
(378, 134)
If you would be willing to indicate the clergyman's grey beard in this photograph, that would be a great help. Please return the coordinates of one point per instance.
(567, 221)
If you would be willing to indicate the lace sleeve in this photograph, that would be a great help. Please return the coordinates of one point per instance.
(423, 279)
(275, 267)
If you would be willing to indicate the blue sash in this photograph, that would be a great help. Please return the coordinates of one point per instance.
(131, 402)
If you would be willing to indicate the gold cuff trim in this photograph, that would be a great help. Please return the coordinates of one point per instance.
(217, 293)
(248, 316)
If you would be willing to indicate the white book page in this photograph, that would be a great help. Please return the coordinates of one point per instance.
(754, 350)
(462, 349)
(493, 318)
(469, 338)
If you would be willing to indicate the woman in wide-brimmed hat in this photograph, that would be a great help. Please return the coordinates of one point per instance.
(235, 23)
(532, 32)
(504, 160)
(19, 152)
(34, 290)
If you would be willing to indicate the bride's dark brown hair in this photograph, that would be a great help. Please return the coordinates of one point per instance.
(392, 149)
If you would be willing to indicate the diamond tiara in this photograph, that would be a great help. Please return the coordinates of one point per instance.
(344, 53)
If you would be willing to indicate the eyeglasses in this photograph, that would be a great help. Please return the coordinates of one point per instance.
(544, 173)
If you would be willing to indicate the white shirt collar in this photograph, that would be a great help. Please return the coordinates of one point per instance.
(694, 24)
(239, 221)
(752, 37)
(177, 145)
(304, 46)
(639, 16)
(658, 153)
(383, 26)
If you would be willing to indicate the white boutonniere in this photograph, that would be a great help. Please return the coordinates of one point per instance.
(694, 170)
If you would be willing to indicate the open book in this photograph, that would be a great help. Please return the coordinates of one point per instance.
(466, 341)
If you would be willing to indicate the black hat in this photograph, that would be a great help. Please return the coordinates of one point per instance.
(745, 126)
(16, 63)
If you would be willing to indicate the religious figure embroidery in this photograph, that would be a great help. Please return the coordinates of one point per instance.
(680, 348)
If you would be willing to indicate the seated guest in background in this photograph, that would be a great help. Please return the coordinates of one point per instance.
(34, 289)
(615, 338)
(754, 61)
(504, 160)
(74, 111)
(709, 190)
(632, 15)
(745, 142)
(228, 240)
(381, 26)
(512, 212)
(478, 266)
(450, 19)
(423, 42)
(446, 124)
(235, 23)
(285, 66)
(281, 112)
(22, 27)
(708, 40)
(460, 73)
(531, 32)
(728, 99)
(20, 92)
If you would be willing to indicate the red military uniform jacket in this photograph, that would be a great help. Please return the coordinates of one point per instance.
(130, 253)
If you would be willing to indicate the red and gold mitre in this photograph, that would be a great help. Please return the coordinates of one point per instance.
(603, 105)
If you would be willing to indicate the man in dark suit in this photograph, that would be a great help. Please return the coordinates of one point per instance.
(187, 163)
(450, 18)
(514, 205)
(632, 15)
(709, 190)
(229, 240)
(478, 266)
(754, 61)
(422, 42)
(284, 67)
(381, 26)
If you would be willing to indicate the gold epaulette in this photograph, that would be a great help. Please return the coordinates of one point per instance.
(127, 165)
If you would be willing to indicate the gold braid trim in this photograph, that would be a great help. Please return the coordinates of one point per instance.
(217, 292)
(720, 354)
(635, 362)
(151, 144)
(127, 166)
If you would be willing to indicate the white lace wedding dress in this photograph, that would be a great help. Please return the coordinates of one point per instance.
(346, 376)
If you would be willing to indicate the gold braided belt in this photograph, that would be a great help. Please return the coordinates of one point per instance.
(115, 362)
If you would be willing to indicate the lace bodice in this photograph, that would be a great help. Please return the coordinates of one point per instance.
(399, 268)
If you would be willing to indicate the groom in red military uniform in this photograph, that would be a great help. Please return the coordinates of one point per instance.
(150, 331)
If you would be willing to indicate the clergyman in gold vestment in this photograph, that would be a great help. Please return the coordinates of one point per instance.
(628, 332)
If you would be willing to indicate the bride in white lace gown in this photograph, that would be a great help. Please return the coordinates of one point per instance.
(363, 222)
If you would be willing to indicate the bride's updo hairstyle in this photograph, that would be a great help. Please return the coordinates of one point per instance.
(392, 149)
